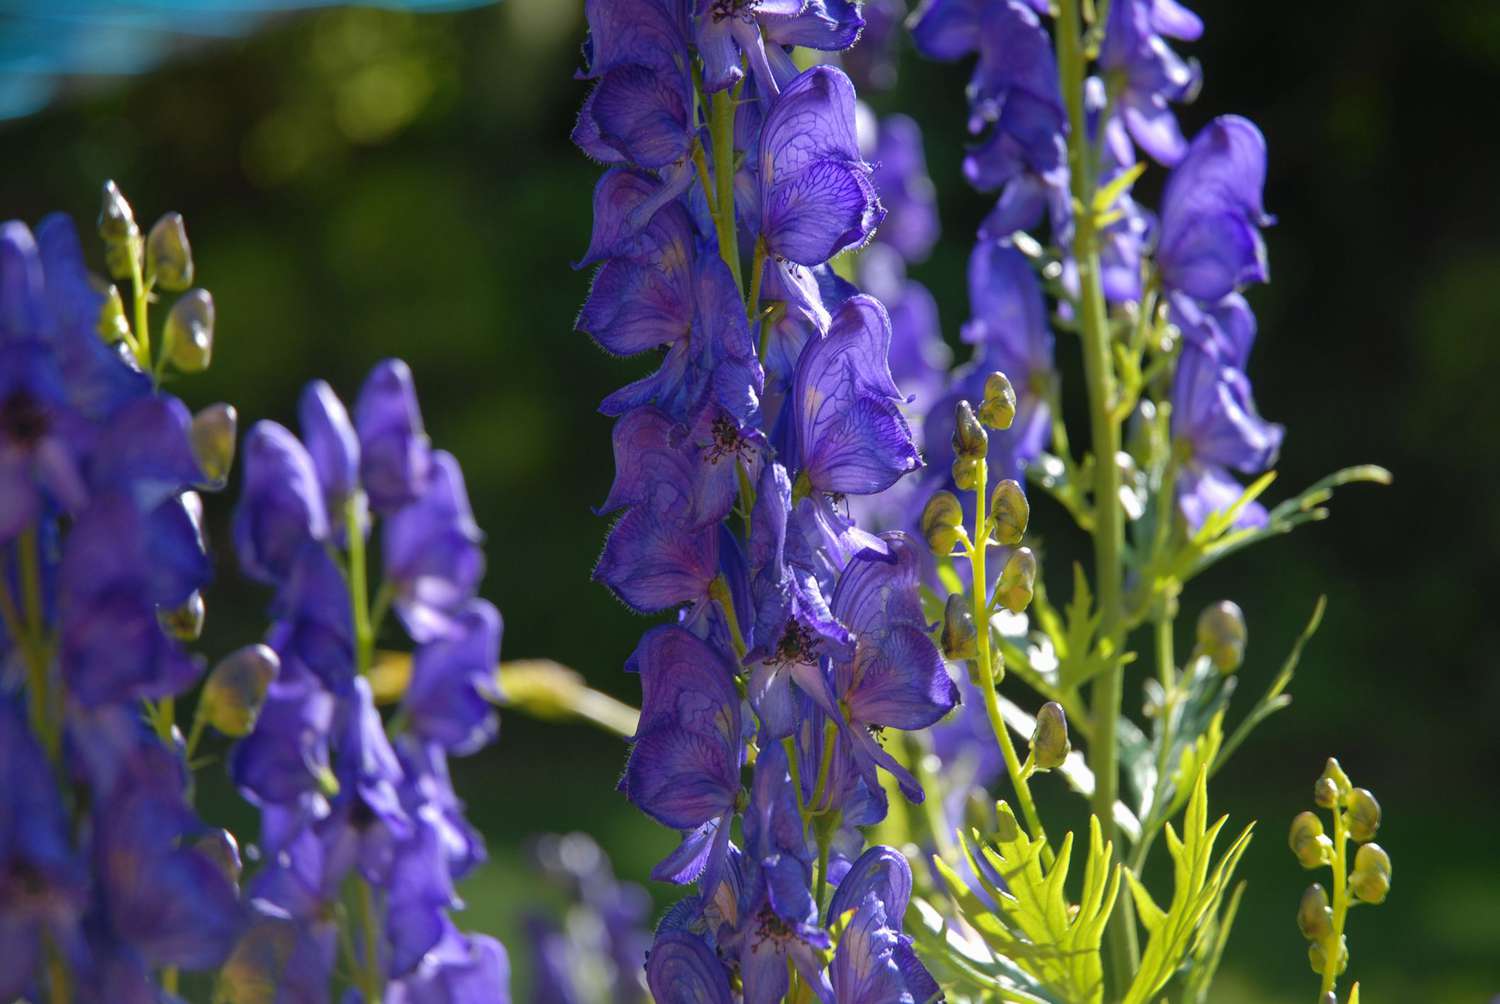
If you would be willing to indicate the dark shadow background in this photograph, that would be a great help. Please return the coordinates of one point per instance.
(360, 184)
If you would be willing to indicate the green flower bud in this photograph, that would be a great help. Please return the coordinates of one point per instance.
(186, 622)
(213, 436)
(1314, 915)
(1325, 793)
(942, 518)
(1335, 773)
(1363, 817)
(966, 473)
(998, 409)
(960, 636)
(1308, 842)
(1049, 740)
(122, 259)
(220, 848)
(1009, 512)
(1017, 580)
(190, 332)
(113, 327)
(116, 218)
(236, 689)
(1317, 956)
(169, 257)
(969, 437)
(1371, 878)
(1221, 635)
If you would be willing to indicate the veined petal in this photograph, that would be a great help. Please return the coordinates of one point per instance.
(899, 680)
(822, 209)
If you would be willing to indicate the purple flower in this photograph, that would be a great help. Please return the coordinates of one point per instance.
(724, 30)
(285, 760)
(1216, 429)
(281, 506)
(314, 629)
(949, 29)
(1015, 95)
(459, 969)
(681, 969)
(1144, 75)
(433, 557)
(427, 790)
(1225, 330)
(332, 444)
(368, 819)
(395, 454)
(864, 969)
(418, 894)
(41, 438)
(777, 930)
(659, 464)
(816, 195)
(900, 177)
(453, 682)
(651, 562)
(1211, 213)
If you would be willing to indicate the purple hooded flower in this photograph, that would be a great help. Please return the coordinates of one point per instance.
(900, 177)
(1209, 243)
(949, 29)
(1225, 330)
(368, 819)
(285, 760)
(777, 929)
(1216, 429)
(726, 30)
(395, 454)
(453, 682)
(864, 969)
(881, 875)
(816, 194)
(42, 440)
(652, 562)
(433, 557)
(427, 790)
(1015, 95)
(659, 464)
(1144, 76)
(459, 969)
(640, 109)
(684, 766)
(332, 444)
(281, 506)
(681, 969)
(418, 894)
(314, 629)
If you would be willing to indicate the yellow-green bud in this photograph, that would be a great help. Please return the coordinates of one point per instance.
(942, 518)
(113, 327)
(1325, 793)
(960, 636)
(190, 332)
(1308, 842)
(1049, 740)
(966, 472)
(186, 622)
(213, 437)
(169, 257)
(116, 218)
(969, 437)
(1009, 512)
(1363, 816)
(1317, 956)
(220, 847)
(1314, 915)
(1017, 580)
(236, 689)
(998, 409)
(1335, 773)
(1371, 878)
(1221, 635)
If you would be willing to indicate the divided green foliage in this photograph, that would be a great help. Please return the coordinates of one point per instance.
(1037, 928)
(1198, 887)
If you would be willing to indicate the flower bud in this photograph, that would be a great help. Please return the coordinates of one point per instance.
(1363, 816)
(1221, 635)
(223, 851)
(1009, 512)
(116, 218)
(1017, 580)
(169, 257)
(113, 327)
(1317, 956)
(190, 332)
(1314, 915)
(1049, 740)
(1325, 793)
(186, 622)
(998, 409)
(213, 436)
(960, 637)
(966, 473)
(1308, 842)
(1333, 772)
(969, 437)
(942, 520)
(236, 689)
(1371, 878)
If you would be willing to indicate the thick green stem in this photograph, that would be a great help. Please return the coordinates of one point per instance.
(721, 128)
(1335, 942)
(757, 277)
(1109, 529)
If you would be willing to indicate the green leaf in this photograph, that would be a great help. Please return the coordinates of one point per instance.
(1053, 940)
(960, 963)
(1210, 950)
(1198, 887)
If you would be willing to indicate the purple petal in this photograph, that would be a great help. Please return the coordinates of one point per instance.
(681, 969)
(651, 563)
(395, 452)
(823, 209)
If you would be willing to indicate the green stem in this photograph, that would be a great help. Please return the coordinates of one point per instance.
(45, 706)
(1109, 531)
(1331, 948)
(721, 130)
(195, 732)
(757, 277)
(372, 979)
(718, 589)
(59, 985)
(992, 670)
(359, 588)
(1166, 672)
(141, 294)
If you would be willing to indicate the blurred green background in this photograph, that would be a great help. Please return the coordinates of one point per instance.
(361, 183)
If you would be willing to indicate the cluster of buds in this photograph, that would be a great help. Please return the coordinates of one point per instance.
(1356, 817)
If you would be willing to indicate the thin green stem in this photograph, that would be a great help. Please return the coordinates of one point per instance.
(992, 669)
(718, 589)
(794, 769)
(1166, 672)
(141, 294)
(825, 827)
(195, 732)
(373, 979)
(757, 277)
(359, 588)
(59, 983)
(721, 131)
(1109, 530)
(45, 705)
(700, 162)
(1335, 942)
(825, 767)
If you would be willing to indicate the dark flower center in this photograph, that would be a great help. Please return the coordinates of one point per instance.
(23, 420)
(796, 646)
(721, 9)
(727, 440)
(770, 927)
